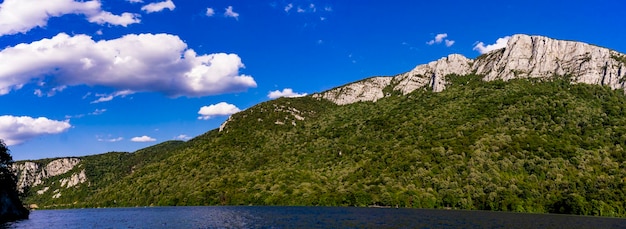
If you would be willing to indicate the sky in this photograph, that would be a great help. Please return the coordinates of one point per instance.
(94, 76)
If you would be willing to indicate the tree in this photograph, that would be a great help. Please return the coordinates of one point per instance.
(11, 207)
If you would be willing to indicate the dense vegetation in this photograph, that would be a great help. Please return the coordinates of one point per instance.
(523, 145)
(11, 207)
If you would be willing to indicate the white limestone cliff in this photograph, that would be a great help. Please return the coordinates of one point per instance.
(542, 57)
(523, 57)
(30, 174)
(365, 90)
(433, 73)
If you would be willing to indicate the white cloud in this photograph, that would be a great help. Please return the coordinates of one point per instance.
(300, 10)
(287, 92)
(109, 97)
(15, 130)
(132, 63)
(500, 43)
(441, 38)
(220, 109)
(95, 112)
(98, 112)
(106, 17)
(438, 39)
(288, 7)
(210, 12)
(449, 43)
(135, 1)
(20, 16)
(230, 13)
(158, 6)
(109, 139)
(143, 139)
(183, 137)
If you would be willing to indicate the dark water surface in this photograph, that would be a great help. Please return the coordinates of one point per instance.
(301, 217)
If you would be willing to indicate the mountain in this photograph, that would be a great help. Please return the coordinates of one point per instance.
(538, 126)
(523, 57)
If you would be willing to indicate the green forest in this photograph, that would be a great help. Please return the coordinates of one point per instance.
(525, 145)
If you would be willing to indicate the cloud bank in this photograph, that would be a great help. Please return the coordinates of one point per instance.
(287, 92)
(20, 16)
(133, 63)
(16, 130)
(220, 109)
(500, 43)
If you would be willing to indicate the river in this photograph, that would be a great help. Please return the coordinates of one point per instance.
(301, 217)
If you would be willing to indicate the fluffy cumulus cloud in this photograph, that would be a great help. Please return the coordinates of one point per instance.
(159, 6)
(15, 130)
(130, 64)
(20, 16)
(143, 139)
(220, 109)
(230, 13)
(439, 38)
(500, 43)
(287, 92)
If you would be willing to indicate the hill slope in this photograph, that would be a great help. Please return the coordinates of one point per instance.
(532, 143)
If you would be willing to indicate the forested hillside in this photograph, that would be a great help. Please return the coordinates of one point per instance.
(525, 145)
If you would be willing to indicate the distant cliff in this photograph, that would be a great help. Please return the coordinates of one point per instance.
(523, 57)
(53, 176)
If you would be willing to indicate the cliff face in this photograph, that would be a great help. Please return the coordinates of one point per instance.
(523, 57)
(31, 175)
(537, 56)
(365, 90)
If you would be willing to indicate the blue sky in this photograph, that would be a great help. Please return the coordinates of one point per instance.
(88, 77)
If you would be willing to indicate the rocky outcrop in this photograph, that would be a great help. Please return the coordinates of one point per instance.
(75, 179)
(541, 57)
(433, 74)
(523, 57)
(31, 174)
(365, 90)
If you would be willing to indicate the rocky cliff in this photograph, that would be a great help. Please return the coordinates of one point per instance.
(523, 57)
(66, 171)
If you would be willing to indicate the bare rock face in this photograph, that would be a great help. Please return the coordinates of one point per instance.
(75, 179)
(523, 57)
(433, 73)
(365, 90)
(30, 174)
(542, 57)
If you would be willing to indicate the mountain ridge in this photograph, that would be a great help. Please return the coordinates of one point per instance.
(543, 144)
(524, 56)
